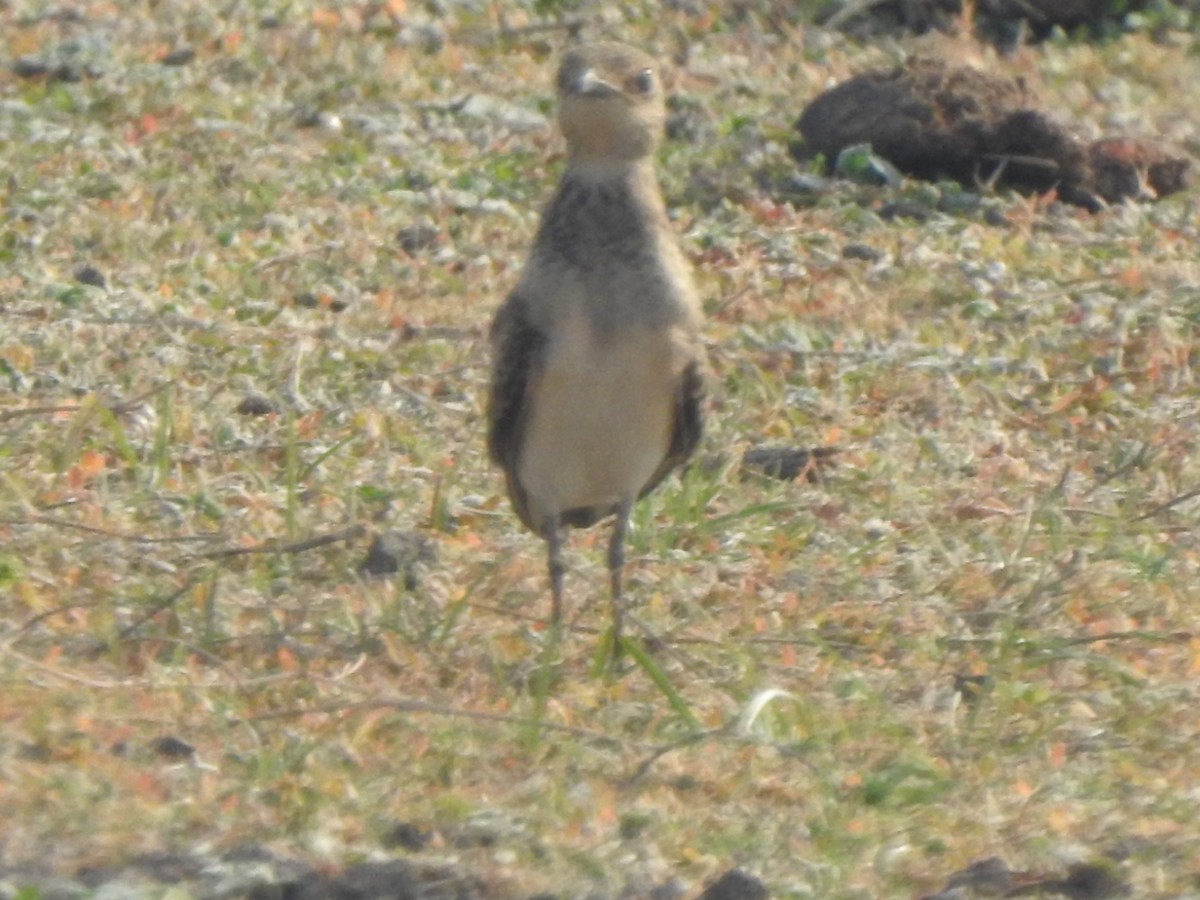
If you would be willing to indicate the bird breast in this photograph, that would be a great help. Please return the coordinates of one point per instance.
(601, 415)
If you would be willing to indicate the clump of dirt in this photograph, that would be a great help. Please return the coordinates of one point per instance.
(933, 119)
(998, 20)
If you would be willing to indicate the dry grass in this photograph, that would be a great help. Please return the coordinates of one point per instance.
(1015, 500)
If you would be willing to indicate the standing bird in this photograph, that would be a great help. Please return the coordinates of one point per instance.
(598, 366)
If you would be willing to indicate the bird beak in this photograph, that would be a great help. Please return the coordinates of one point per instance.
(589, 84)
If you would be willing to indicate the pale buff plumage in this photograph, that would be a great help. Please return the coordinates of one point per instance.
(597, 379)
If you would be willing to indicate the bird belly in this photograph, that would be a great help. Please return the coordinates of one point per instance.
(600, 419)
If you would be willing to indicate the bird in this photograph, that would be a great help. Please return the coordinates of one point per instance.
(598, 376)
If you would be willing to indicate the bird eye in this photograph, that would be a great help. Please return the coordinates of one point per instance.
(643, 82)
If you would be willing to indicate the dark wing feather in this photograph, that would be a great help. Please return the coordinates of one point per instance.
(687, 426)
(518, 349)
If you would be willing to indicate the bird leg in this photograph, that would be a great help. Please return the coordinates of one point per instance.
(616, 564)
(554, 563)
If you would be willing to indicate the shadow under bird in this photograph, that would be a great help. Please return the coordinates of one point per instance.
(598, 365)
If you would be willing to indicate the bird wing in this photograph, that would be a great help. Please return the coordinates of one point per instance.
(519, 351)
(687, 424)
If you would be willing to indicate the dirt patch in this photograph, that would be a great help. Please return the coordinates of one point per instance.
(933, 120)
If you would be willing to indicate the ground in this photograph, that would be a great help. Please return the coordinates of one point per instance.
(248, 254)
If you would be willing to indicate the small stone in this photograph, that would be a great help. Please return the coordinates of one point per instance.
(30, 67)
(255, 405)
(736, 885)
(877, 529)
(417, 237)
(180, 56)
(170, 747)
(995, 216)
(306, 116)
(398, 551)
(861, 251)
(406, 836)
(971, 687)
(785, 463)
(905, 209)
(90, 275)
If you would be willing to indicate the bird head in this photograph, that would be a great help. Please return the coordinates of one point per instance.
(610, 102)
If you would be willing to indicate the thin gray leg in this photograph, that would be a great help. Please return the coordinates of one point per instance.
(616, 565)
(554, 563)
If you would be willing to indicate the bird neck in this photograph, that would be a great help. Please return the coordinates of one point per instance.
(587, 167)
(635, 176)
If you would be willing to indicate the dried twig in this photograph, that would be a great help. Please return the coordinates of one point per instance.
(37, 411)
(11, 637)
(54, 522)
(1168, 504)
(406, 704)
(274, 545)
(116, 408)
(61, 674)
(659, 752)
(282, 258)
(1158, 637)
